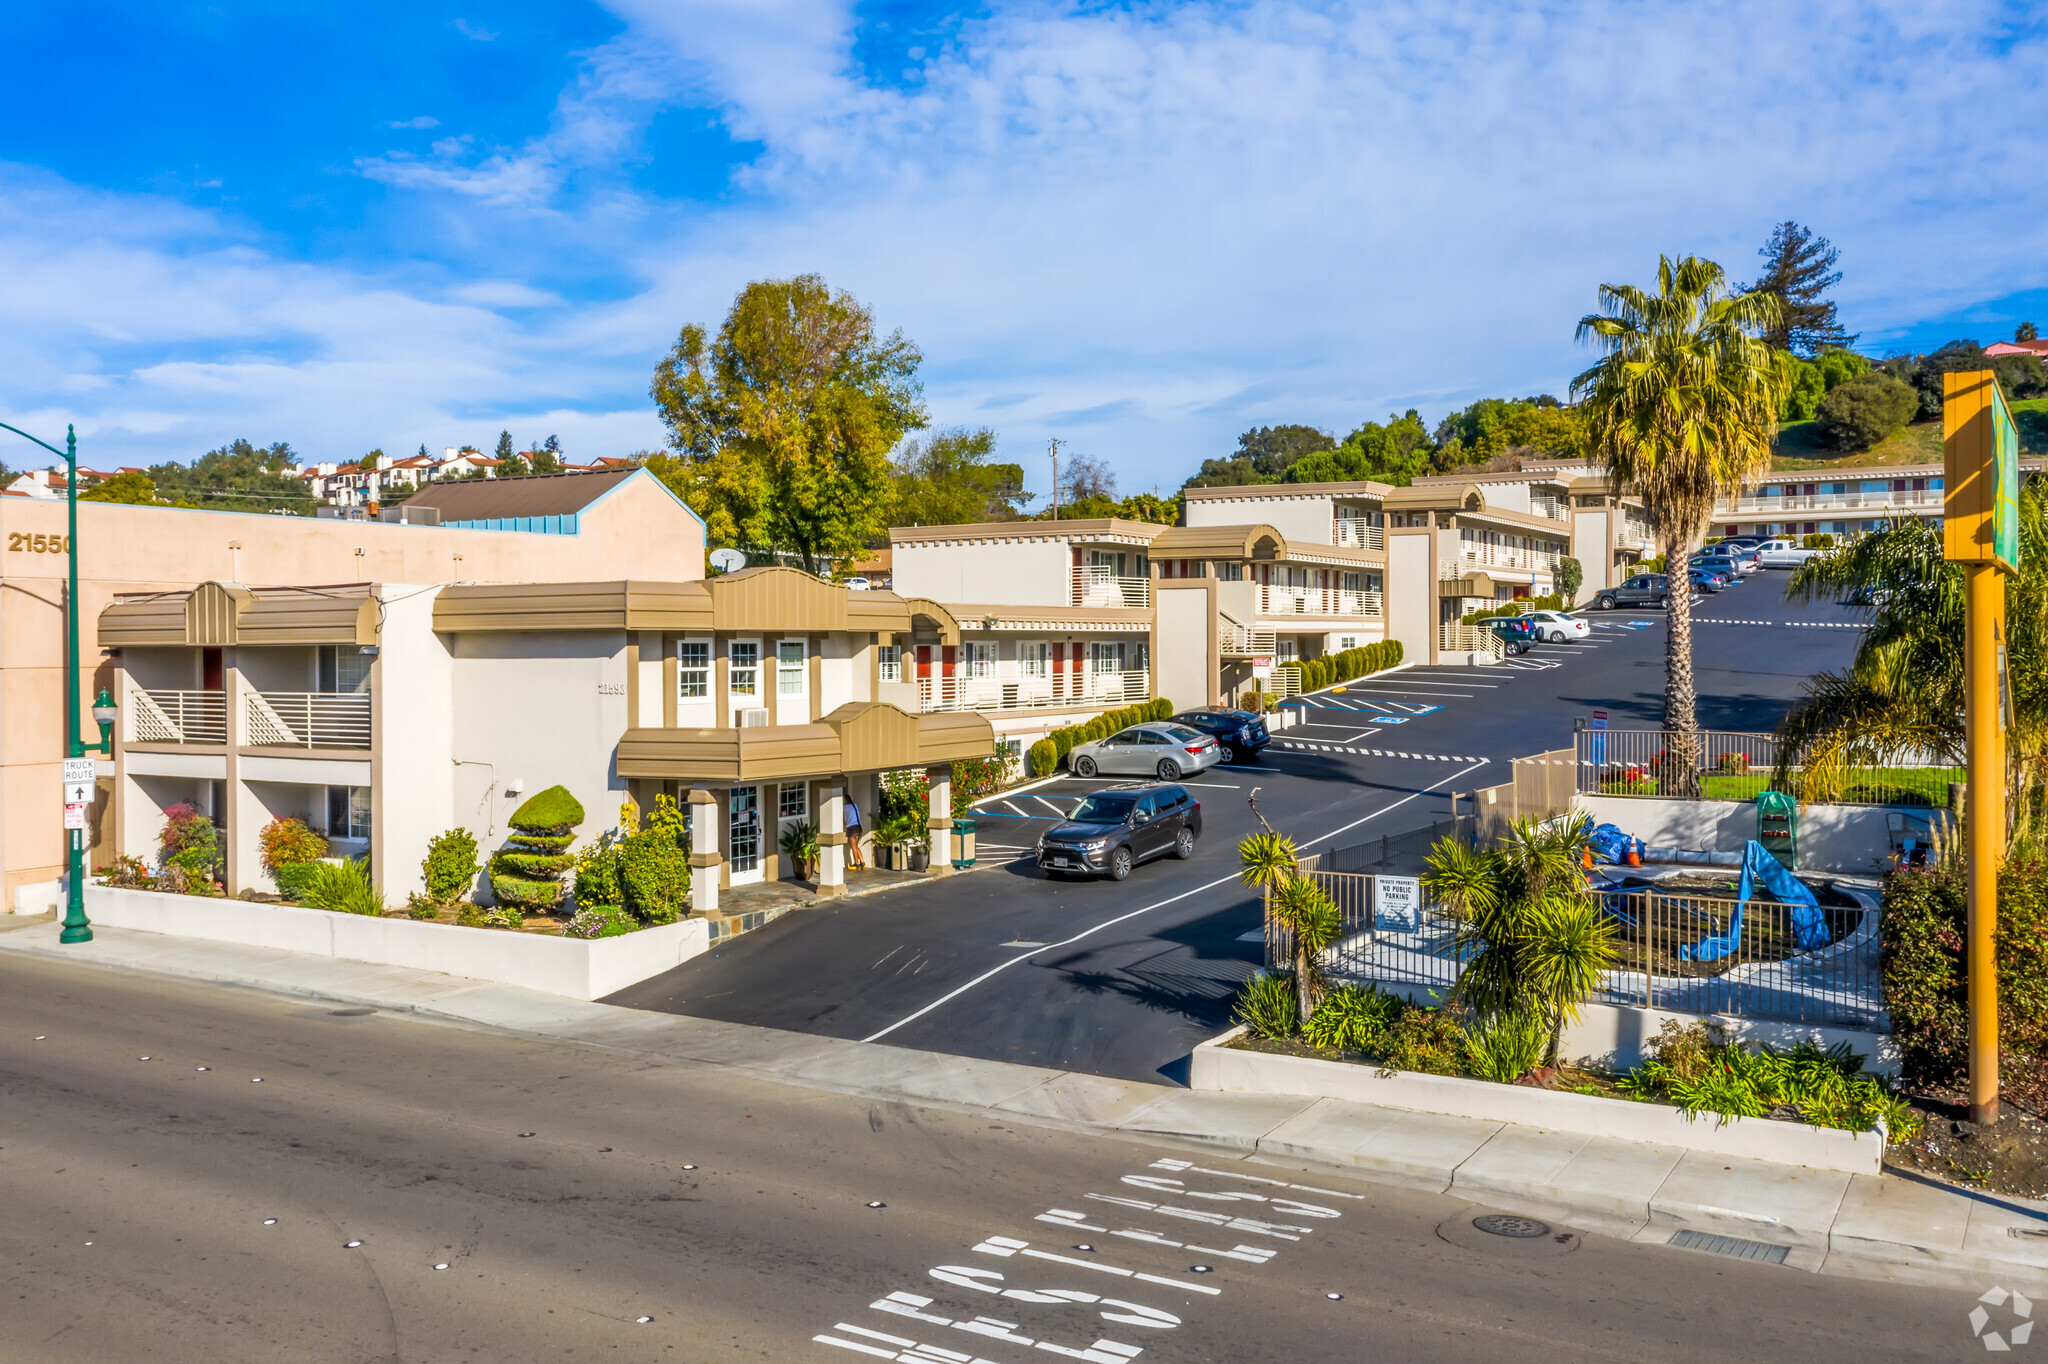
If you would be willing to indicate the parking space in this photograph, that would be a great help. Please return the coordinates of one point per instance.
(1009, 825)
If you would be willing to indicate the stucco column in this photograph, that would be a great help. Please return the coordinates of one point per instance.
(939, 824)
(707, 867)
(831, 841)
(239, 861)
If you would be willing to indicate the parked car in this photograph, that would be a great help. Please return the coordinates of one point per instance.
(1112, 831)
(1747, 542)
(1515, 632)
(1730, 568)
(1707, 580)
(1645, 589)
(1558, 626)
(1239, 733)
(1782, 553)
(1162, 749)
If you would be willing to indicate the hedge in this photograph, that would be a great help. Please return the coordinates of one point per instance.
(1331, 669)
(1063, 739)
(1553, 601)
(1923, 930)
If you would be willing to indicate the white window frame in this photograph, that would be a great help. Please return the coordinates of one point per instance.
(736, 671)
(1106, 656)
(1034, 659)
(690, 673)
(800, 808)
(889, 660)
(981, 658)
(791, 680)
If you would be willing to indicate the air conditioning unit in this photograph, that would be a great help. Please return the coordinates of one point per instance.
(754, 717)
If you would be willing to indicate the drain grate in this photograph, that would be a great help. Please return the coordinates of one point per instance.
(1735, 1246)
(350, 1013)
(1506, 1224)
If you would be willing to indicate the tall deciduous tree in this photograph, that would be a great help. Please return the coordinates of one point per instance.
(1263, 455)
(1682, 408)
(950, 479)
(1798, 269)
(783, 425)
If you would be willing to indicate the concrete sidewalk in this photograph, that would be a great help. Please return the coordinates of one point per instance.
(1887, 1226)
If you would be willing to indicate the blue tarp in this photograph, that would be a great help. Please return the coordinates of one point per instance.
(1809, 926)
(1611, 845)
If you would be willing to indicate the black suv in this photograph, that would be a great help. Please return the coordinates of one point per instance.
(1645, 589)
(1240, 733)
(1112, 831)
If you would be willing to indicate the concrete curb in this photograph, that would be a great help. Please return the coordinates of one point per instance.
(1874, 1226)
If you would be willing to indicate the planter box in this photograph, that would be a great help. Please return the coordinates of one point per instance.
(1217, 1066)
(579, 968)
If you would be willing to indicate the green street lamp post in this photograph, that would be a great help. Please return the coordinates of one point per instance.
(76, 929)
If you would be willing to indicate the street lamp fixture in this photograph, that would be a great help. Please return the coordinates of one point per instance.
(104, 712)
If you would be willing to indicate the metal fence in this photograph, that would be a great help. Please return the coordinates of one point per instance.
(1762, 974)
(1732, 766)
(1541, 787)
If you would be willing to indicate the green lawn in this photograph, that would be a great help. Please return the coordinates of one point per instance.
(1869, 786)
(1799, 448)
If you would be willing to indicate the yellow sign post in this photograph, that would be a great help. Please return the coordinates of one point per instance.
(1980, 531)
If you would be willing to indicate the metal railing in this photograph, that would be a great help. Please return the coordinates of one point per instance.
(1556, 508)
(1068, 689)
(1733, 766)
(1286, 600)
(300, 719)
(1240, 641)
(1355, 533)
(1761, 972)
(177, 717)
(1102, 587)
(1457, 637)
(1917, 499)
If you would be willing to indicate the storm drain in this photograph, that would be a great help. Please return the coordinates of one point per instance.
(1504, 1224)
(350, 1013)
(1735, 1246)
(1024, 942)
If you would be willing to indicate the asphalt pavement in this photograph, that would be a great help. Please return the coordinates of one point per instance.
(1123, 979)
(198, 1173)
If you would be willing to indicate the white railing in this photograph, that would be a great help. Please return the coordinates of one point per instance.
(302, 719)
(1556, 508)
(1888, 499)
(1635, 535)
(1278, 600)
(1460, 638)
(1061, 690)
(1101, 587)
(1238, 641)
(178, 717)
(1502, 556)
(1356, 533)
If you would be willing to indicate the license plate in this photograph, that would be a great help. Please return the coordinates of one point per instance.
(1060, 861)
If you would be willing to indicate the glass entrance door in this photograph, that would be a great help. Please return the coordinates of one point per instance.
(743, 834)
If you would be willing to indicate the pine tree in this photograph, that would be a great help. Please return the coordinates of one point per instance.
(1798, 268)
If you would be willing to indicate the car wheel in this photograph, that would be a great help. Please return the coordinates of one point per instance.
(1120, 864)
(1229, 755)
(1184, 844)
(1084, 766)
(1663, 603)
(1606, 603)
(1557, 636)
(1169, 770)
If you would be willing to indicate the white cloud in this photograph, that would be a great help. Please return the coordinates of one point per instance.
(420, 122)
(1142, 227)
(475, 32)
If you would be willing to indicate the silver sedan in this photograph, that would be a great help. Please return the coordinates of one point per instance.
(1162, 750)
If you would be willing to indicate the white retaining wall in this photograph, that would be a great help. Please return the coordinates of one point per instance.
(1851, 840)
(576, 967)
(1216, 1066)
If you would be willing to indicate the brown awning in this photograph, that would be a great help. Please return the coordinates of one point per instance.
(861, 736)
(217, 614)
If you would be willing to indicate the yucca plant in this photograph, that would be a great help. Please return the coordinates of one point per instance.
(344, 887)
(1266, 1005)
(1352, 1018)
(1297, 903)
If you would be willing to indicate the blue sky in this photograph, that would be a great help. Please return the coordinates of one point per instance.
(1139, 228)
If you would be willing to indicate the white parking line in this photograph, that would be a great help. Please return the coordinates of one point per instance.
(1362, 734)
(1049, 805)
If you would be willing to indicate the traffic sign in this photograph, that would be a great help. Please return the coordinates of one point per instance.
(78, 769)
(78, 793)
(74, 816)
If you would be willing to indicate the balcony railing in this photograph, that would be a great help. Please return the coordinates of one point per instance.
(1354, 533)
(178, 717)
(1238, 641)
(1102, 587)
(300, 719)
(1501, 556)
(1057, 691)
(1556, 508)
(1457, 637)
(1887, 500)
(1277, 600)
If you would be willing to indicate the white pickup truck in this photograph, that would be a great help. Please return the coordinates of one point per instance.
(1782, 554)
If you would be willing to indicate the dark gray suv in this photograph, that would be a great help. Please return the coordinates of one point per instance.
(1645, 589)
(1112, 831)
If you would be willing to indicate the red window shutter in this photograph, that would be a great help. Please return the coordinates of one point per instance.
(924, 660)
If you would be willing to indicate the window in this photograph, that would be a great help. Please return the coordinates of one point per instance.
(1229, 571)
(890, 656)
(743, 825)
(1034, 659)
(1106, 657)
(348, 812)
(744, 657)
(981, 659)
(789, 668)
(693, 669)
(1347, 642)
(796, 801)
(343, 669)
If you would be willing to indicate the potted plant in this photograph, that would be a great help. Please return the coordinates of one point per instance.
(800, 849)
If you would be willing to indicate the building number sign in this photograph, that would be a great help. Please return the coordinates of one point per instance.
(36, 544)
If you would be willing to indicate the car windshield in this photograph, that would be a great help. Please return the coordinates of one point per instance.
(1107, 808)
(1181, 732)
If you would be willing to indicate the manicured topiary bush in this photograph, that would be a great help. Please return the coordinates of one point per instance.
(526, 873)
(1044, 758)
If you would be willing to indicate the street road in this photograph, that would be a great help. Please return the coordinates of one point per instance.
(396, 1190)
(1124, 979)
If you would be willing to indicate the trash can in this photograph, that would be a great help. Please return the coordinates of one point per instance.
(1777, 827)
(963, 844)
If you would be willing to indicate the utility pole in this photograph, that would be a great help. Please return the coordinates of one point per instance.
(1055, 479)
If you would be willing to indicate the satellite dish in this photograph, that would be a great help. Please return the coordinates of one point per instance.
(728, 560)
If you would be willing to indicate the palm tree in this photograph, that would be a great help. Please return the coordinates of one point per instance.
(1901, 699)
(1682, 408)
(1296, 903)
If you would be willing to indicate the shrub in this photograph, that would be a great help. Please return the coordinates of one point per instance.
(293, 877)
(1923, 931)
(1429, 1041)
(526, 872)
(344, 887)
(974, 778)
(799, 844)
(1571, 575)
(1552, 601)
(608, 921)
(1353, 1018)
(287, 840)
(184, 828)
(654, 866)
(1266, 1005)
(597, 873)
(1044, 758)
(129, 873)
(418, 906)
(450, 865)
(1510, 1045)
(1818, 540)
(1693, 1068)
(1858, 414)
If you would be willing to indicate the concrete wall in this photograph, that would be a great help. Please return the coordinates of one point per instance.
(1845, 839)
(412, 754)
(1185, 652)
(1310, 518)
(1411, 594)
(1589, 547)
(982, 573)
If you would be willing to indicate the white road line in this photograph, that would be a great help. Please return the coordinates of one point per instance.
(1050, 806)
(1158, 904)
(1362, 734)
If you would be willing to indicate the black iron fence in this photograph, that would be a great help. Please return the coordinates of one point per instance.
(1719, 765)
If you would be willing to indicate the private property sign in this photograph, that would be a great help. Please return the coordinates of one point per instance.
(1397, 904)
(1262, 668)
